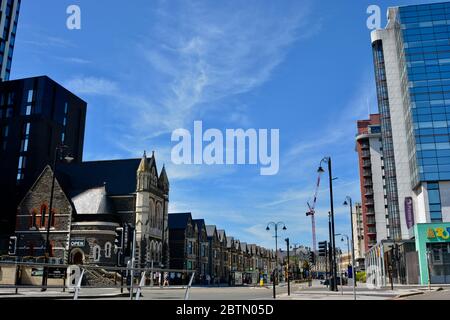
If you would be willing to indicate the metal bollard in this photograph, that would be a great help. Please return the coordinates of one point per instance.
(186, 295)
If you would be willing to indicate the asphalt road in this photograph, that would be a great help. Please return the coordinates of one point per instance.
(211, 293)
(435, 295)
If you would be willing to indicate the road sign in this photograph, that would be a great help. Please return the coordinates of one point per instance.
(56, 273)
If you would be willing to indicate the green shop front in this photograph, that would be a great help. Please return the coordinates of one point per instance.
(433, 248)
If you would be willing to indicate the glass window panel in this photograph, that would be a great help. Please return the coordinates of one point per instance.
(434, 197)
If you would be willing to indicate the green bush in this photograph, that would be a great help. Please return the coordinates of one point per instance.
(361, 276)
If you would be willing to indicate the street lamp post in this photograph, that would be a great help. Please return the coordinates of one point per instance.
(275, 273)
(58, 153)
(349, 202)
(330, 178)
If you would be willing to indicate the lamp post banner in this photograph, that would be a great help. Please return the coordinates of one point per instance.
(409, 212)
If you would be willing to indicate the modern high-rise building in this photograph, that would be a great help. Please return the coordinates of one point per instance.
(9, 16)
(412, 71)
(36, 116)
(371, 170)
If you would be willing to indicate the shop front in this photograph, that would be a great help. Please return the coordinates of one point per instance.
(433, 247)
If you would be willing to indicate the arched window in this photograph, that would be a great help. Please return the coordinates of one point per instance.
(108, 250)
(52, 221)
(43, 215)
(96, 253)
(159, 215)
(52, 248)
(33, 223)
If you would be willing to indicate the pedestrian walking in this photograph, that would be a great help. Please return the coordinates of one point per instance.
(166, 279)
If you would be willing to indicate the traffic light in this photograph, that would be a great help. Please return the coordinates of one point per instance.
(312, 258)
(12, 246)
(118, 241)
(323, 248)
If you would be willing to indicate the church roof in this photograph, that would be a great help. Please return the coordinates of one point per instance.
(93, 201)
(118, 176)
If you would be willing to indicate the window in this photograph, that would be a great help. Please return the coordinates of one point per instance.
(52, 221)
(30, 96)
(11, 98)
(434, 200)
(96, 253)
(108, 250)
(33, 219)
(43, 214)
(20, 168)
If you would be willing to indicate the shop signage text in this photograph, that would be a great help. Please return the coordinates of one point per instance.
(439, 233)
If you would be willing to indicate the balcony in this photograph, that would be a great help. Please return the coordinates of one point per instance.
(372, 231)
(365, 154)
(371, 220)
(365, 146)
(369, 192)
(367, 173)
(369, 202)
(367, 164)
(368, 183)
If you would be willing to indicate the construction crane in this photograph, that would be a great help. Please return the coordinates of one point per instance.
(312, 212)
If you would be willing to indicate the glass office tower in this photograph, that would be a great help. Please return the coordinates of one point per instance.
(9, 15)
(412, 71)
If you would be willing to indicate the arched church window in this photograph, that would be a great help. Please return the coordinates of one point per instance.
(96, 253)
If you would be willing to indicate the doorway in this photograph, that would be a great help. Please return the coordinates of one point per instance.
(77, 257)
(439, 262)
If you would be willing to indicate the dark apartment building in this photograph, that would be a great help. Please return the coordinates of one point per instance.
(9, 16)
(36, 116)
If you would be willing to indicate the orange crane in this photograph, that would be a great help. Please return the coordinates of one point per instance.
(312, 213)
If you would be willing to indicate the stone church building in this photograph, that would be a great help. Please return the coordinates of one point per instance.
(91, 200)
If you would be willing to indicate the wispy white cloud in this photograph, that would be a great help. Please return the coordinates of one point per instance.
(219, 52)
(92, 86)
(74, 60)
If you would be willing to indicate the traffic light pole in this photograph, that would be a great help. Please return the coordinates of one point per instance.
(330, 252)
(330, 175)
(288, 281)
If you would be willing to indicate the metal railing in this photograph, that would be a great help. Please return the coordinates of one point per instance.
(75, 278)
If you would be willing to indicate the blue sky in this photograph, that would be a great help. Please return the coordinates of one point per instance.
(149, 67)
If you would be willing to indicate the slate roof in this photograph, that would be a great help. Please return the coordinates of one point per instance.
(199, 222)
(210, 230)
(118, 176)
(229, 241)
(179, 220)
(93, 201)
(221, 234)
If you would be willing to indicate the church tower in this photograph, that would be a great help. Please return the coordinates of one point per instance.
(163, 184)
(143, 176)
